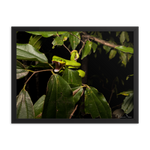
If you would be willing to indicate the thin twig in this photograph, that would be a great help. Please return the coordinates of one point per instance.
(76, 37)
(73, 112)
(81, 48)
(65, 46)
(83, 42)
(38, 72)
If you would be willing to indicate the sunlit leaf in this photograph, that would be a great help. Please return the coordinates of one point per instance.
(125, 93)
(62, 32)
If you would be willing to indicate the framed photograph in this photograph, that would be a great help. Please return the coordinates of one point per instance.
(74, 74)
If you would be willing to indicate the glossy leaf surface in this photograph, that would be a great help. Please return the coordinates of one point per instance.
(59, 99)
(125, 49)
(72, 77)
(87, 49)
(38, 106)
(28, 52)
(74, 41)
(96, 104)
(24, 106)
(20, 70)
(45, 34)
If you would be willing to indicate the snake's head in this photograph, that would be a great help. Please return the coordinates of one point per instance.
(59, 63)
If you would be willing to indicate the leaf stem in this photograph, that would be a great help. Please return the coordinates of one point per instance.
(35, 73)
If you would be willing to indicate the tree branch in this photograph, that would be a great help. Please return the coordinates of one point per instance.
(37, 72)
(99, 40)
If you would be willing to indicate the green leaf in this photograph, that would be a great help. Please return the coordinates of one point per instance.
(125, 93)
(112, 53)
(65, 36)
(59, 99)
(45, 34)
(74, 41)
(20, 70)
(72, 77)
(96, 104)
(87, 48)
(77, 93)
(127, 36)
(129, 76)
(123, 58)
(38, 106)
(106, 48)
(125, 49)
(28, 52)
(35, 41)
(127, 105)
(62, 32)
(122, 37)
(57, 41)
(94, 46)
(24, 106)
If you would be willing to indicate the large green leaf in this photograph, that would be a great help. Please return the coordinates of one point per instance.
(59, 99)
(125, 49)
(96, 104)
(128, 105)
(38, 106)
(72, 77)
(74, 41)
(87, 48)
(45, 34)
(20, 70)
(28, 52)
(24, 106)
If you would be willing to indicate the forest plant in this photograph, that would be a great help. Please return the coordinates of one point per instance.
(65, 90)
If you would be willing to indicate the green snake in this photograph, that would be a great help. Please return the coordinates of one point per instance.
(72, 63)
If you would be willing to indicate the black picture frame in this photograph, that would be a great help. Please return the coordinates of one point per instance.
(14, 29)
